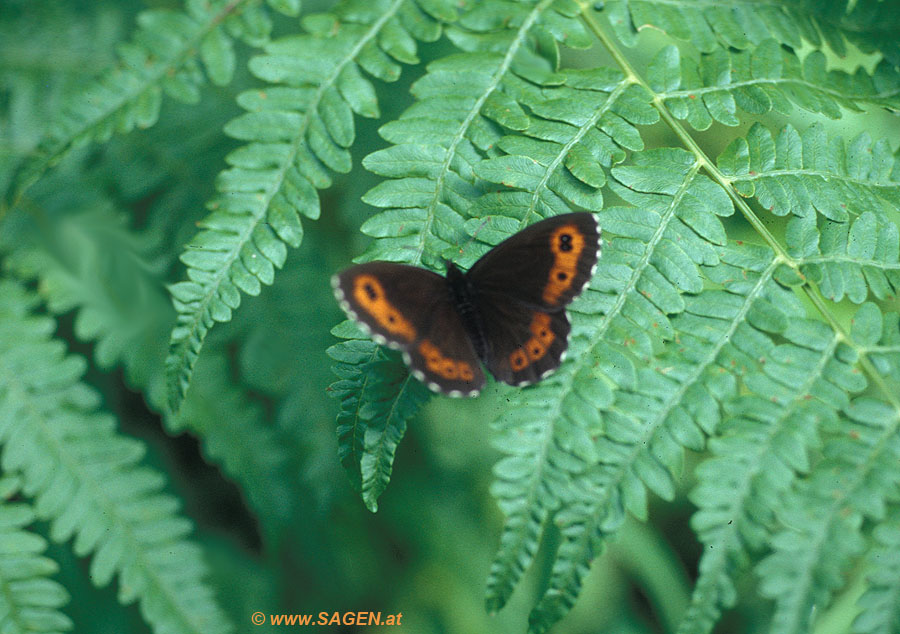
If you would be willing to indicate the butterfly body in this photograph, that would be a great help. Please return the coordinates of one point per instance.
(507, 312)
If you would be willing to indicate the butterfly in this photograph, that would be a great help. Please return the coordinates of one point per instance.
(507, 311)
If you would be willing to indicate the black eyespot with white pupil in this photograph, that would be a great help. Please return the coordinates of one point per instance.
(565, 242)
(370, 291)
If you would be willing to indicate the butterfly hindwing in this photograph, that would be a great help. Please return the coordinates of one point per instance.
(410, 309)
(444, 358)
(524, 344)
(545, 265)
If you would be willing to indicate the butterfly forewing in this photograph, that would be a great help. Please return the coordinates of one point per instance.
(545, 265)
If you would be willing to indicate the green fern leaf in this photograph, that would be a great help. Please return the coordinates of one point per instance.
(848, 259)
(235, 435)
(646, 269)
(766, 78)
(668, 407)
(734, 24)
(821, 517)
(378, 396)
(161, 58)
(802, 174)
(297, 132)
(31, 599)
(881, 601)
(761, 447)
(86, 479)
(819, 529)
(91, 262)
(558, 160)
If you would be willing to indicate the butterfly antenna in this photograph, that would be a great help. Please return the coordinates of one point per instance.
(462, 247)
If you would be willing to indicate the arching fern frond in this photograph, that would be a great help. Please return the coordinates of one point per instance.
(764, 443)
(377, 397)
(881, 601)
(804, 173)
(87, 481)
(31, 599)
(576, 132)
(462, 106)
(92, 263)
(762, 79)
(819, 530)
(671, 405)
(821, 517)
(647, 267)
(737, 24)
(164, 56)
(296, 133)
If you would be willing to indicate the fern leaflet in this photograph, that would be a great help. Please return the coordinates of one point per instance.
(31, 599)
(86, 479)
(162, 58)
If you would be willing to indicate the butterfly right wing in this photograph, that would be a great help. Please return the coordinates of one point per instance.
(410, 309)
(524, 343)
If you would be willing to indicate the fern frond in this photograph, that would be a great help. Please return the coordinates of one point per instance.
(881, 601)
(759, 450)
(377, 397)
(849, 259)
(670, 406)
(766, 78)
(810, 172)
(91, 262)
(31, 599)
(164, 57)
(46, 52)
(87, 481)
(297, 132)
(462, 106)
(561, 160)
(235, 435)
(739, 25)
(647, 267)
(821, 517)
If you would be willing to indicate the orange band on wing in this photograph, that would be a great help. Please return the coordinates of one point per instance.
(369, 294)
(567, 243)
(443, 366)
(537, 346)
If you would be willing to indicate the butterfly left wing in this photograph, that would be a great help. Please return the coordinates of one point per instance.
(409, 309)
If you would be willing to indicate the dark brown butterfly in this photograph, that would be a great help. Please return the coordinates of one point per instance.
(507, 311)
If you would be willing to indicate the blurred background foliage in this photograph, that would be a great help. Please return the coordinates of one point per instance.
(252, 455)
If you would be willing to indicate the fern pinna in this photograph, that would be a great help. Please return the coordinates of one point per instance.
(744, 308)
